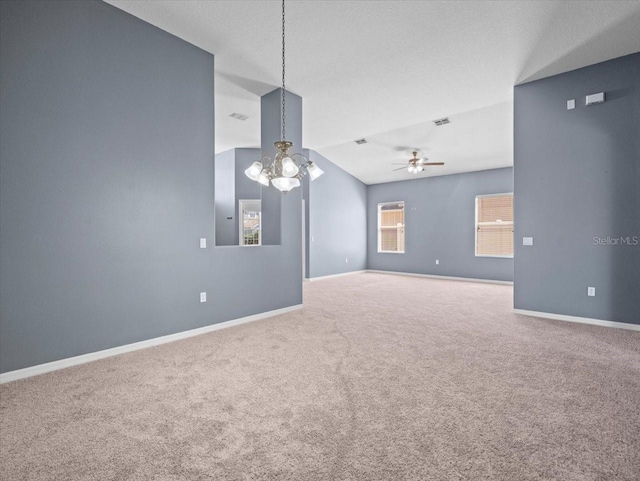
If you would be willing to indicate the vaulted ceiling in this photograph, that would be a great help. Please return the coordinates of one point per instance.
(384, 70)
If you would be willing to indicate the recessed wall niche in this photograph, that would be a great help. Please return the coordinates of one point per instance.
(244, 215)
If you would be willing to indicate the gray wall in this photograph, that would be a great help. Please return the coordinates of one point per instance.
(337, 221)
(577, 176)
(106, 185)
(225, 198)
(440, 224)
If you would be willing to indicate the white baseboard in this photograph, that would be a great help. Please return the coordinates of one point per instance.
(114, 351)
(581, 320)
(446, 278)
(321, 278)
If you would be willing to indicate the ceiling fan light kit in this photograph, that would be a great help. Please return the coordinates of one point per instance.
(284, 171)
(417, 165)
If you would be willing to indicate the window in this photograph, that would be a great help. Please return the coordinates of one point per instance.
(250, 222)
(494, 225)
(391, 227)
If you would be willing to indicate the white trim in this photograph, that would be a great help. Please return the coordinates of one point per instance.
(322, 278)
(114, 351)
(445, 278)
(582, 320)
(304, 240)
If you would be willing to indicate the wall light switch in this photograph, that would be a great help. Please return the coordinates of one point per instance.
(437, 261)
(591, 291)
(571, 104)
(346, 260)
(203, 297)
(527, 241)
(203, 243)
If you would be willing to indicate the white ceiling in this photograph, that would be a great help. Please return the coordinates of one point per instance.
(384, 70)
(475, 140)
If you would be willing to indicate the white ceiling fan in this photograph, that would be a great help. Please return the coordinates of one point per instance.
(416, 165)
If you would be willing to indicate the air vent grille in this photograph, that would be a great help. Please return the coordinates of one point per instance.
(360, 141)
(442, 121)
(238, 116)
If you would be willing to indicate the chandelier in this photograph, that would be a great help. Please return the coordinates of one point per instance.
(284, 171)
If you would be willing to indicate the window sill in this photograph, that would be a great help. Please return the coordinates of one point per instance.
(497, 257)
(390, 252)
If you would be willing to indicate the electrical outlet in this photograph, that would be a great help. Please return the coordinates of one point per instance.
(437, 261)
(527, 241)
(591, 291)
(203, 297)
(203, 243)
(571, 104)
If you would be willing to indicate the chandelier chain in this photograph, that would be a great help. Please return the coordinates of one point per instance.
(283, 71)
(284, 171)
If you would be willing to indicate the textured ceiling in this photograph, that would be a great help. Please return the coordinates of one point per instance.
(384, 69)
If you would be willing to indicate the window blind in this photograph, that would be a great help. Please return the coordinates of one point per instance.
(494, 225)
(391, 227)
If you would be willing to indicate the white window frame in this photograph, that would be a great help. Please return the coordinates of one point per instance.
(475, 241)
(241, 223)
(404, 226)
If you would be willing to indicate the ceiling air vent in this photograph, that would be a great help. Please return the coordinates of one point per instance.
(442, 121)
(360, 141)
(238, 116)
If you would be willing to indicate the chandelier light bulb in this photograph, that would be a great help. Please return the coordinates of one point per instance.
(314, 171)
(263, 178)
(254, 170)
(289, 167)
(419, 168)
(285, 184)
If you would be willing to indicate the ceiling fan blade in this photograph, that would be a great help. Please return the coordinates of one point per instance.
(401, 168)
(433, 163)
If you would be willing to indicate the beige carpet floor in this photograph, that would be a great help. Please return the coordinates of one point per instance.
(380, 377)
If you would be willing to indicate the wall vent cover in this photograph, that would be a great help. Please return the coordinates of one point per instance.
(442, 121)
(238, 116)
(360, 141)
